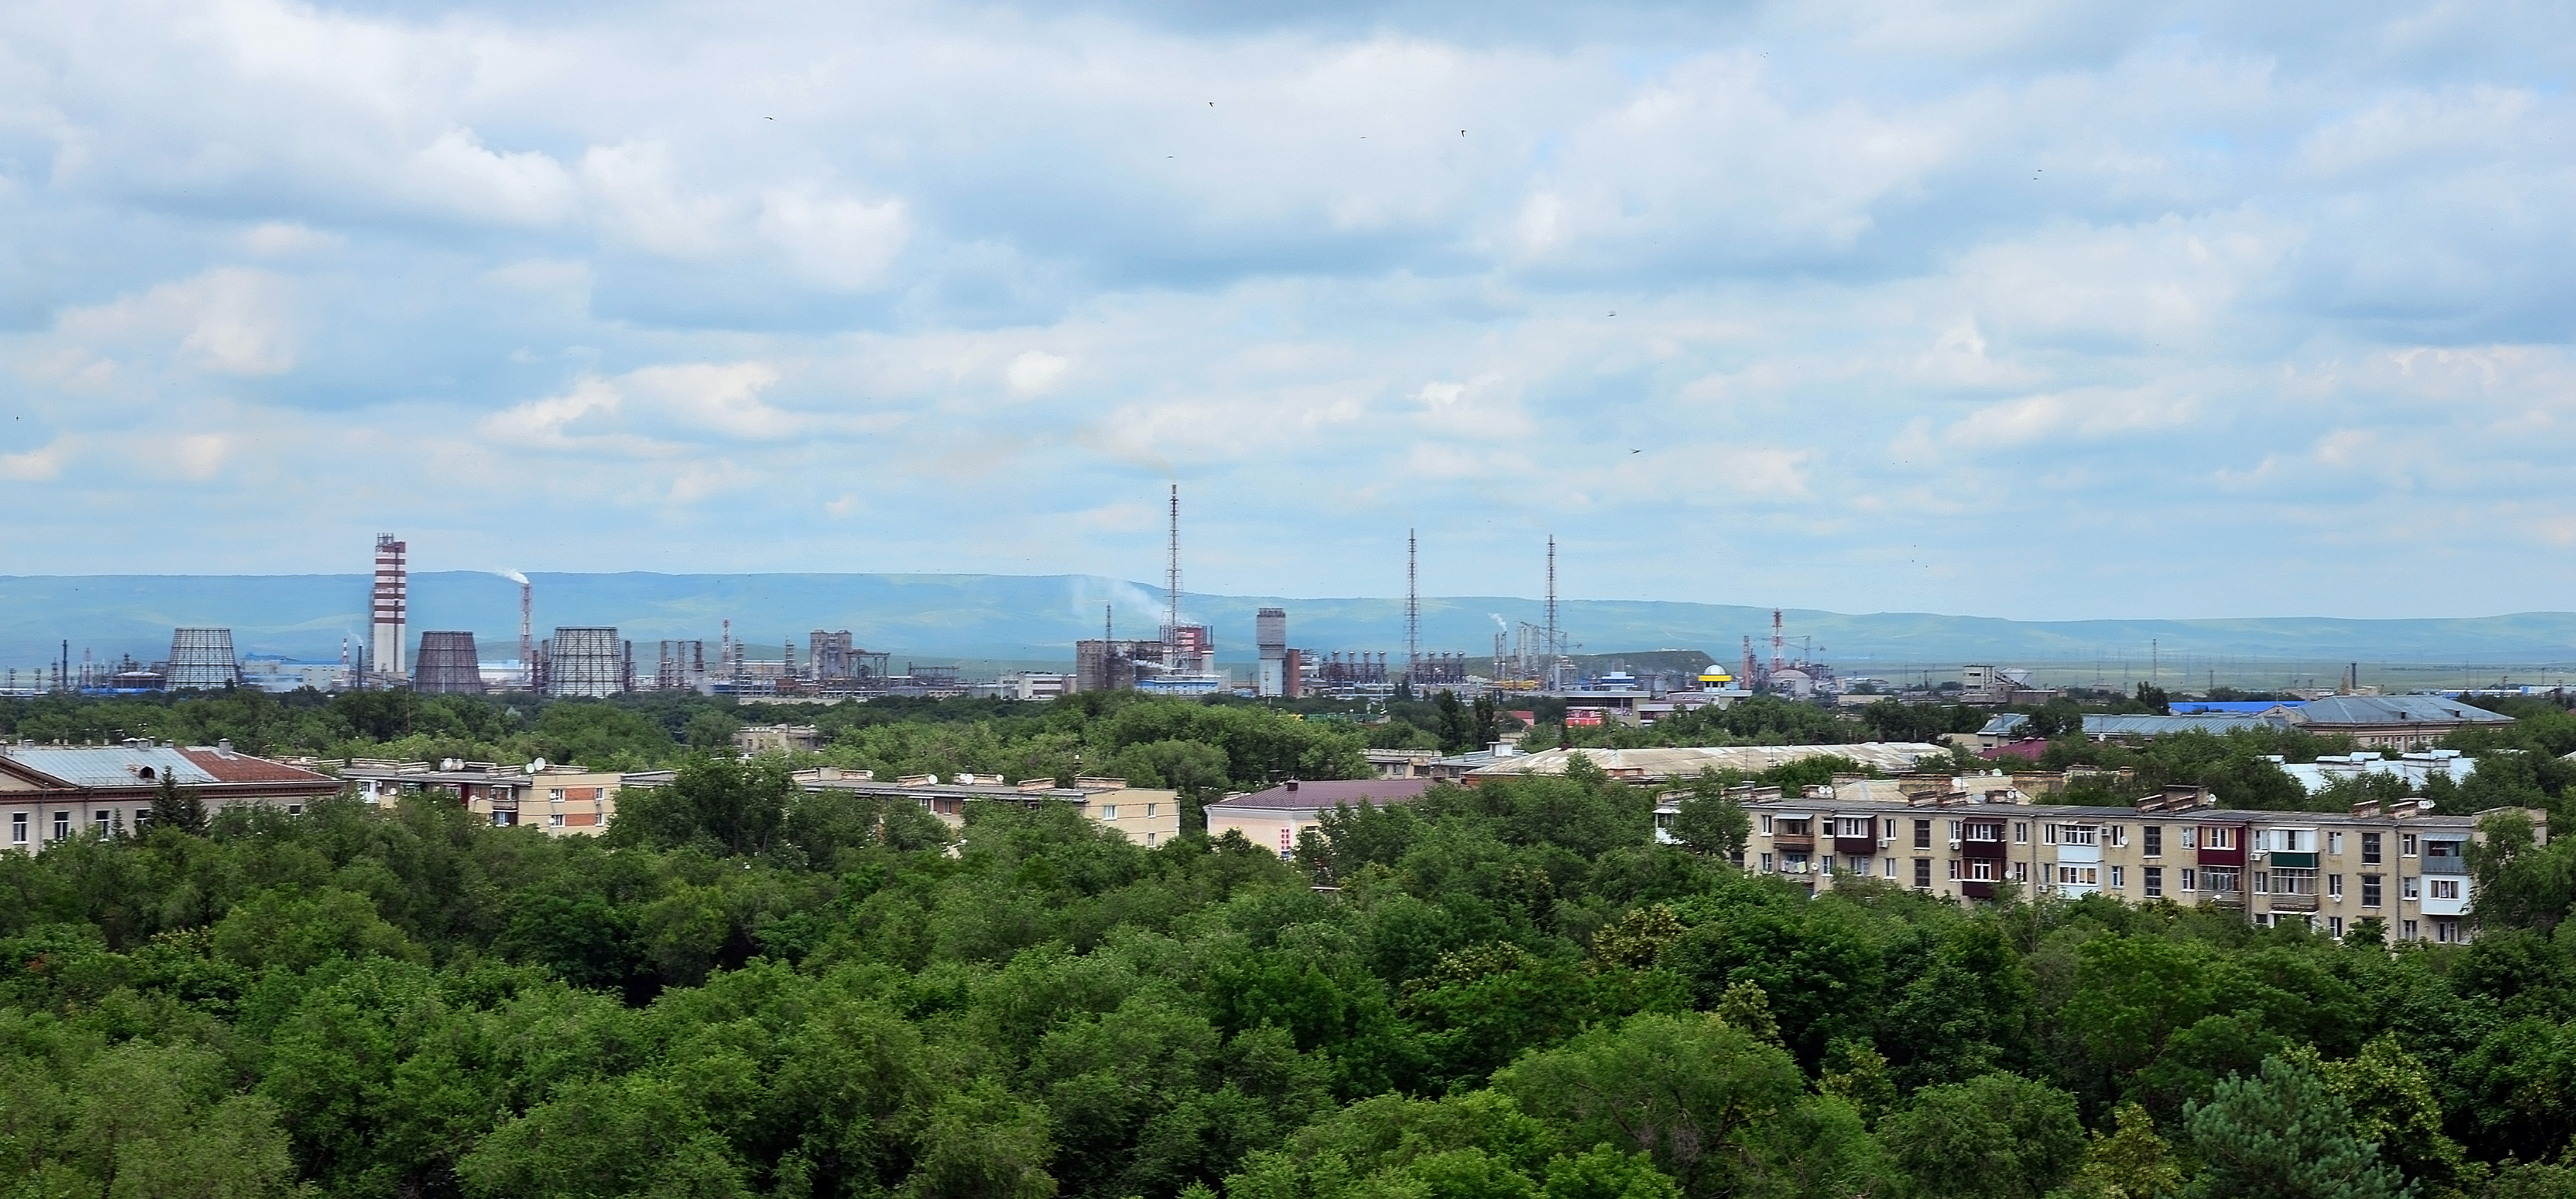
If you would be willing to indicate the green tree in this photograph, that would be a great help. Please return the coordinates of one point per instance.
(2131, 1163)
(2283, 1134)
(1687, 1091)
(1709, 822)
(2000, 1136)
(176, 807)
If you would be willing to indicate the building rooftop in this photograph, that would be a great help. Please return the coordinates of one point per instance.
(1325, 793)
(1658, 765)
(141, 764)
(2396, 709)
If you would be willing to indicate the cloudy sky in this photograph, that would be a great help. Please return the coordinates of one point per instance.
(2022, 308)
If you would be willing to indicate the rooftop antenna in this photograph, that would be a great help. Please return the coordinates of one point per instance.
(1172, 582)
(1412, 612)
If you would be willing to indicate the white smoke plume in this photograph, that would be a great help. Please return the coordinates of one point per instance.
(513, 576)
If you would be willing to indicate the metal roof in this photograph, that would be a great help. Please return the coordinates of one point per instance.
(2397, 709)
(1682, 762)
(107, 765)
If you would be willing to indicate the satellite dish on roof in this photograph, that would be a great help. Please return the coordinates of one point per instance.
(534, 767)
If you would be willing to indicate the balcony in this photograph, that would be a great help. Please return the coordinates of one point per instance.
(2449, 863)
(2294, 903)
(1793, 842)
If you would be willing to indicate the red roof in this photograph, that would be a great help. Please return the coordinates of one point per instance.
(229, 766)
(2030, 749)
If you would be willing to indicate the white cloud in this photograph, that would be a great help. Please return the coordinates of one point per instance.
(1884, 275)
(1036, 372)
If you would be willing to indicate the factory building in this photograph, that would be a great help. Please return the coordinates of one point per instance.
(1107, 665)
(448, 665)
(1270, 635)
(202, 660)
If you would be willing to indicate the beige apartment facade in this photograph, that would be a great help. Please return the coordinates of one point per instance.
(1147, 816)
(2404, 865)
(563, 801)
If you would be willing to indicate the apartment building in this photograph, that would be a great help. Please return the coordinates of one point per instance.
(1147, 816)
(2404, 865)
(52, 793)
(565, 801)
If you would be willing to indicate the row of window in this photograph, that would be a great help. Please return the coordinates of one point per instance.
(104, 822)
(2219, 880)
(2277, 840)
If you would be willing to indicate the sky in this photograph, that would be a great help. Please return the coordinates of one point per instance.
(2022, 309)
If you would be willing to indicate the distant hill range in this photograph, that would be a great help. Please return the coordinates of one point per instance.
(1036, 619)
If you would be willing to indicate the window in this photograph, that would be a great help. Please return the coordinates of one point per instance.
(554, 820)
(1923, 835)
(2334, 885)
(295, 809)
(2079, 876)
(1109, 811)
(142, 819)
(2407, 929)
(2370, 890)
(2410, 886)
(2117, 877)
(1766, 863)
(2221, 880)
(1891, 866)
(2021, 872)
(2334, 924)
(2071, 834)
(1982, 869)
(1766, 826)
(2021, 832)
(555, 794)
(2405, 845)
(1149, 840)
(1854, 827)
(2446, 888)
(505, 819)
(2334, 842)
(1150, 809)
(2119, 835)
(1923, 870)
(1954, 869)
(2294, 881)
(2217, 837)
(2262, 880)
(2152, 880)
(2445, 931)
(18, 828)
(2189, 880)
(2370, 849)
(1954, 832)
(1984, 830)
(105, 820)
(2155, 838)
(62, 825)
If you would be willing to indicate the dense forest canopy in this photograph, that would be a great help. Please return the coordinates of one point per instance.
(1506, 990)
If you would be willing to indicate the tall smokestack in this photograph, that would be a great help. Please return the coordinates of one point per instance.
(390, 614)
(1172, 582)
(527, 629)
(1412, 611)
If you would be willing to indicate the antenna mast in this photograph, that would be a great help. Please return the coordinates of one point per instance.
(1172, 582)
(1412, 612)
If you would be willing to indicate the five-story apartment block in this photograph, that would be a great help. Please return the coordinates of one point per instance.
(2402, 864)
